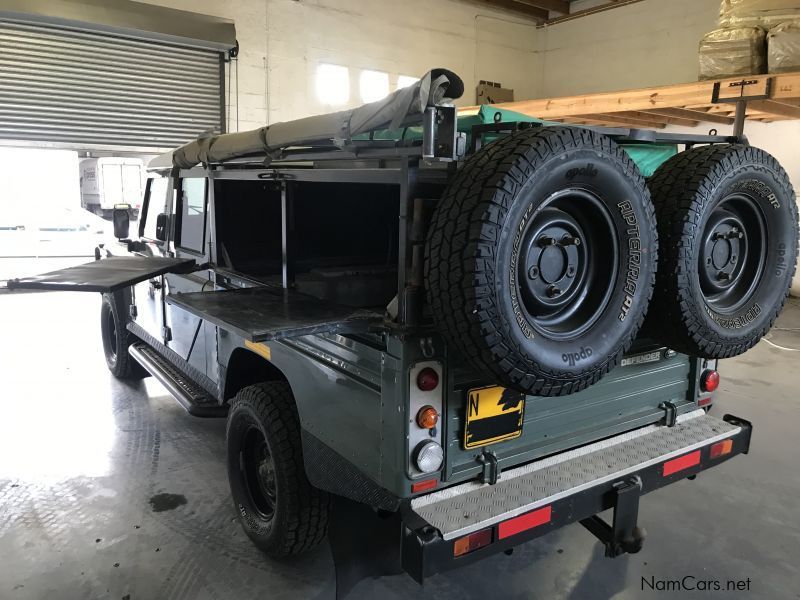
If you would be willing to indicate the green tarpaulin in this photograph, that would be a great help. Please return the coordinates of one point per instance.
(648, 157)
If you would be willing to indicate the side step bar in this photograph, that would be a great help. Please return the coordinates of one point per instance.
(189, 395)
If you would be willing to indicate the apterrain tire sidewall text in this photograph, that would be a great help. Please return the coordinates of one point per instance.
(600, 175)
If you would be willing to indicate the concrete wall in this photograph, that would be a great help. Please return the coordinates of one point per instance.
(647, 43)
(283, 41)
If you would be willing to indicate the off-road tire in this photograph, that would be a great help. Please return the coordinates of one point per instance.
(300, 512)
(471, 254)
(689, 191)
(117, 339)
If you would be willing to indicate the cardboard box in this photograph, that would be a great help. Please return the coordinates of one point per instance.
(490, 92)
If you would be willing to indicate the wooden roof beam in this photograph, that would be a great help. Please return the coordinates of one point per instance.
(528, 10)
(616, 121)
(692, 116)
(651, 118)
(559, 6)
(590, 11)
(775, 108)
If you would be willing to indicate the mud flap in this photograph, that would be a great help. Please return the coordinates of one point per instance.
(364, 543)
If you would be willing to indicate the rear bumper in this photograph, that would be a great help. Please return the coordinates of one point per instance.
(535, 499)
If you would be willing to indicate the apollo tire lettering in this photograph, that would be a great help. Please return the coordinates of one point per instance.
(588, 171)
(573, 358)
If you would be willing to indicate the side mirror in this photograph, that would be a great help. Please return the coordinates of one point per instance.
(161, 227)
(122, 220)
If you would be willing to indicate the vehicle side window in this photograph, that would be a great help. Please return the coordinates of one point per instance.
(193, 214)
(155, 203)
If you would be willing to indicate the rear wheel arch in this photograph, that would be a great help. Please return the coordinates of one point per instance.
(246, 368)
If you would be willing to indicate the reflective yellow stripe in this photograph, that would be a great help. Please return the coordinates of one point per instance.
(260, 349)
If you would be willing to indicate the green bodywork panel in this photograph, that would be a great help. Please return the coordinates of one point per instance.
(626, 398)
(352, 394)
(648, 157)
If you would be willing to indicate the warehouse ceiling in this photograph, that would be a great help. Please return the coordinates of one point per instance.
(549, 12)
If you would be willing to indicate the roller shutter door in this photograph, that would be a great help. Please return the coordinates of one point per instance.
(89, 89)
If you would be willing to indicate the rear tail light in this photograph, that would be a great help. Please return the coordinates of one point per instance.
(427, 379)
(524, 522)
(682, 462)
(472, 542)
(709, 381)
(721, 448)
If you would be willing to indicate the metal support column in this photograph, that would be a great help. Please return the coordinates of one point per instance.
(738, 120)
(287, 233)
(408, 191)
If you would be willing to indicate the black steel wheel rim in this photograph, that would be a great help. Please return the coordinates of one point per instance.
(733, 253)
(258, 472)
(568, 262)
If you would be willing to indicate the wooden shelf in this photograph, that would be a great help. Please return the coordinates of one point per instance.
(688, 104)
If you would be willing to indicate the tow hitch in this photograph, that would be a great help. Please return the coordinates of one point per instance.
(624, 535)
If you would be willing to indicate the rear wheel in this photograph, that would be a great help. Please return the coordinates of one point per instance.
(117, 339)
(540, 259)
(727, 219)
(277, 506)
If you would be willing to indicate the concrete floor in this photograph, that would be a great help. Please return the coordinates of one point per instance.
(110, 490)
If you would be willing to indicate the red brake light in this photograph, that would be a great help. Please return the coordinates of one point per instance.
(427, 379)
(709, 381)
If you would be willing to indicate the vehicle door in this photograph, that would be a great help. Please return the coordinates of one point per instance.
(186, 333)
(148, 295)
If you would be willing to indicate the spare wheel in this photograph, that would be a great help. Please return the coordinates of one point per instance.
(540, 259)
(727, 221)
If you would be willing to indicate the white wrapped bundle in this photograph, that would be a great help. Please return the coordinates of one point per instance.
(730, 52)
(783, 48)
(757, 13)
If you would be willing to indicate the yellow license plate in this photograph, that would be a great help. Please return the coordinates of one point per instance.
(494, 414)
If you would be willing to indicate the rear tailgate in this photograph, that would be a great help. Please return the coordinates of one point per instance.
(626, 398)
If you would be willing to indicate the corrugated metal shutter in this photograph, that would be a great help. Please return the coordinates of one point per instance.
(90, 90)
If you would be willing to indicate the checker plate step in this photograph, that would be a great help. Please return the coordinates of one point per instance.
(191, 396)
(468, 507)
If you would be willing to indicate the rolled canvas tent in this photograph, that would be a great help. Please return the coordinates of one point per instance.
(403, 107)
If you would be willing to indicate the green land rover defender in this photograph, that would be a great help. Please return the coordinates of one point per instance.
(435, 338)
